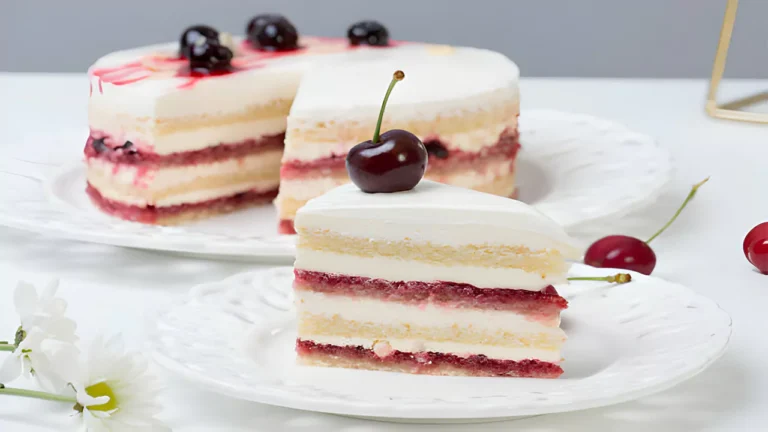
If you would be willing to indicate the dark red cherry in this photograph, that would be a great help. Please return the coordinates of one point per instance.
(368, 33)
(758, 254)
(760, 231)
(391, 162)
(395, 163)
(623, 252)
(209, 56)
(192, 34)
(272, 32)
(98, 145)
(755, 247)
(437, 149)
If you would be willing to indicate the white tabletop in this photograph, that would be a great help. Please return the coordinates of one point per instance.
(110, 289)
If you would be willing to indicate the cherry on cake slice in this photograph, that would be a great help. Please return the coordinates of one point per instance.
(435, 280)
(396, 275)
(463, 103)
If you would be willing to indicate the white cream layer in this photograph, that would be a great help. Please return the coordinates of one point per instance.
(436, 213)
(187, 197)
(164, 96)
(402, 270)
(471, 142)
(153, 181)
(351, 88)
(303, 189)
(308, 188)
(122, 129)
(428, 315)
(459, 349)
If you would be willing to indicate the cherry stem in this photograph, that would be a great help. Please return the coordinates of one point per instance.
(397, 76)
(679, 210)
(619, 278)
(7, 347)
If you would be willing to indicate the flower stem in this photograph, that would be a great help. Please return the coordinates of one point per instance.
(36, 394)
(397, 76)
(7, 347)
(619, 278)
(679, 210)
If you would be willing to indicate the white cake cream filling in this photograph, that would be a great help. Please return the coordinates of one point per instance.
(382, 348)
(122, 129)
(403, 270)
(427, 315)
(466, 217)
(471, 141)
(174, 185)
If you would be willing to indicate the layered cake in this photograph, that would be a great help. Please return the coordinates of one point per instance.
(196, 128)
(400, 275)
(463, 103)
(436, 280)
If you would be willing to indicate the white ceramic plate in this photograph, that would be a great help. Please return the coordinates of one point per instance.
(577, 169)
(625, 341)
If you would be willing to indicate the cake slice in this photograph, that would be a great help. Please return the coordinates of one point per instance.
(435, 280)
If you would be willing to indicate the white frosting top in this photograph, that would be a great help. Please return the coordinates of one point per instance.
(435, 213)
(438, 79)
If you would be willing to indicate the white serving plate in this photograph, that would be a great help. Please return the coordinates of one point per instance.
(575, 168)
(237, 336)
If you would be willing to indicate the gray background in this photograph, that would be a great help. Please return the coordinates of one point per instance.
(590, 38)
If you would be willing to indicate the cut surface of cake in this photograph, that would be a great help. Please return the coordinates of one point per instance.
(436, 280)
(178, 134)
(169, 143)
(463, 103)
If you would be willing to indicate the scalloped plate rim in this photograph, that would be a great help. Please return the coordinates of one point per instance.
(282, 247)
(405, 413)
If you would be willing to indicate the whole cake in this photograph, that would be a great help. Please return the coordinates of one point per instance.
(197, 128)
(396, 275)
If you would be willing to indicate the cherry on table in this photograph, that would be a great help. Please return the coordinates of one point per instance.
(371, 33)
(192, 34)
(272, 32)
(755, 247)
(630, 253)
(394, 161)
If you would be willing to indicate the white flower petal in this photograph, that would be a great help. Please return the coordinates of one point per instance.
(49, 292)
(25, 299)
(10, 369)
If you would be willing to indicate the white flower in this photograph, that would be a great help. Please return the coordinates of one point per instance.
(43, 334)
(34, 357)
(45, 311)
(113, 389)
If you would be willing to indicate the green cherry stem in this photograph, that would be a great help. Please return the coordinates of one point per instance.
(397, 76)
(679, 210)
(36, 394)
(7, 347)
(619, 278)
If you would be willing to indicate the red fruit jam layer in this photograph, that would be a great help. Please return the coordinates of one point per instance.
(440, 158)
(544, 304)
(286, 227)
(432, 362)
(104, 147)
(152, 214)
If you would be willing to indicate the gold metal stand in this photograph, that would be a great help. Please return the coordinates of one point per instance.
(731, 110)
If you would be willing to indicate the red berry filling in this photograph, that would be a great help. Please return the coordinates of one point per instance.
(430, 362)
(151, 214)
(545, 304)
(104, 147)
